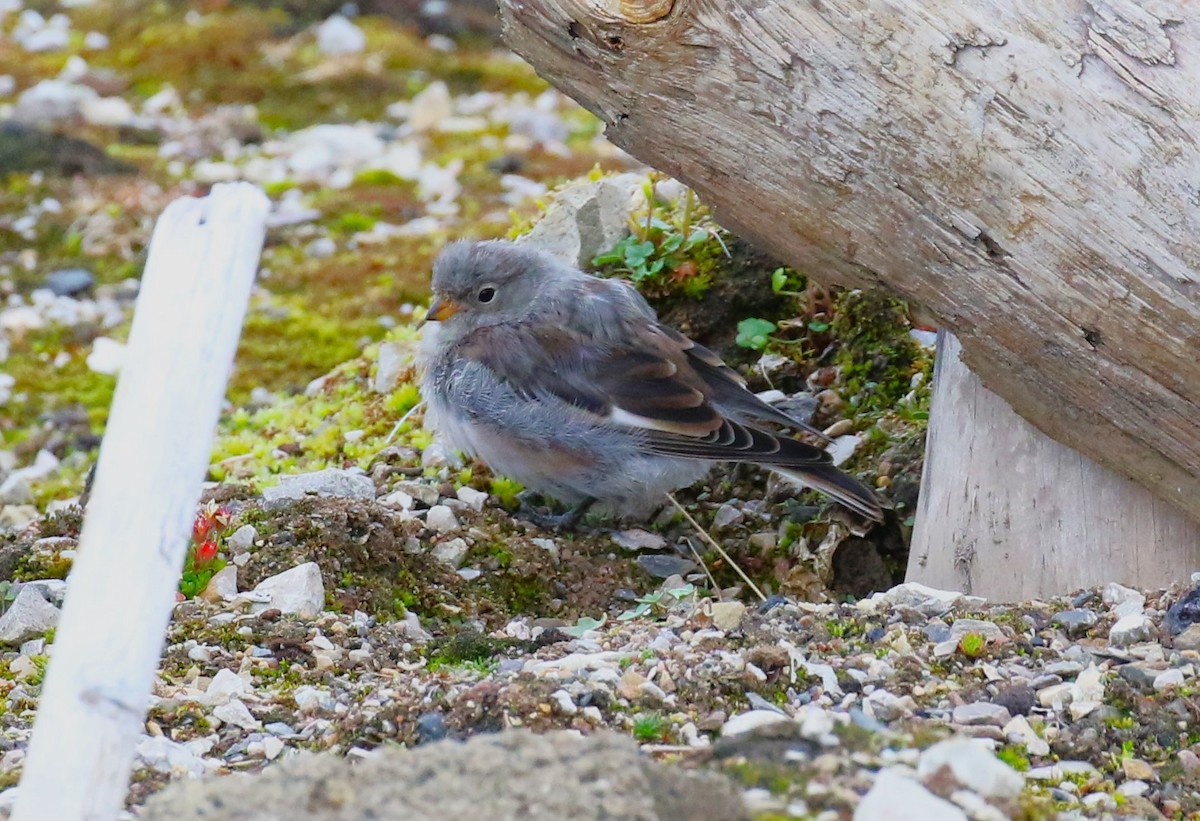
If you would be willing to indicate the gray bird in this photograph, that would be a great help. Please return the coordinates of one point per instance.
(570, 385)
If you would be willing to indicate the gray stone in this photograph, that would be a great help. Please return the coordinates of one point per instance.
(330, 482)
(299, 590)
(927, 601)
(726, 515)
(973, 766)
(425, 494)
(1130, 630)
(1168, 678)
(452, 553)
(1140, 677)
(664, 565)
(69, 281)
(441, 519)
(390, 364)
(1189, 639)
(29, 616)
(513, 774)
(987, 629)
(752, 720)
(585, 219)
(242, 539)
(981, 713)
(1075, 622)
(472, 498)
(895, 797)
(638, 540)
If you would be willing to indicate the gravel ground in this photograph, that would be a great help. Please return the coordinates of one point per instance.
(379, 593)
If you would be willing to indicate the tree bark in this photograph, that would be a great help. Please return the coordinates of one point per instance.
(1008, 513)
(1027, 171)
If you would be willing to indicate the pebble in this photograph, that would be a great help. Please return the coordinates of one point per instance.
(242, 539)
(973, 766)
(390, 363)
(896, 797)
(665, 565)
(726, 515)
(107, 356)
(563, 703)
(328, 483)
(1168, 679)
(751, 720)
(1137, 769)
(474, 499)
(638, 540)
(69, 281)
(1131, 629)
(451, 553)
(29, 616)
(925, 600)
(338, 36)
(1075, 622)
(298, 591)
(1189, 639)
(981, 713)
(441, 519)
(727, 615)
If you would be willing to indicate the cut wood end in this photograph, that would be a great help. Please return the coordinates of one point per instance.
(633, 11)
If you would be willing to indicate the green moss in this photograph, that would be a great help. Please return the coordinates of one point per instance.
(466, 646)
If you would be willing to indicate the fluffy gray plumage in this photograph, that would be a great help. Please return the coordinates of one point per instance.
(569, 384)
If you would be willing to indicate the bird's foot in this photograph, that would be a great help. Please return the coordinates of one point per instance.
(532, 512)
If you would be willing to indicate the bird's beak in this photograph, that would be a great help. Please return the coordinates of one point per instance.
(441, 309)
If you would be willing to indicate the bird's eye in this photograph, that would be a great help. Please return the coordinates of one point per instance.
(487, 294)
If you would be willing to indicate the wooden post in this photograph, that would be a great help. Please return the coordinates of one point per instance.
(156, 450)
(1010, 514)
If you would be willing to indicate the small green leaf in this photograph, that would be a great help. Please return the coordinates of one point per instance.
(818, 326)
(641, 610)
(636, 253)
(754, 333)
(584, 624)
(672, 243)
(779, 280)
(697, 236)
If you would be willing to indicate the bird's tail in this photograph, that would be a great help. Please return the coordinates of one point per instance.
(844, 489)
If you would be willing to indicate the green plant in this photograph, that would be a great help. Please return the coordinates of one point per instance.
(585, 624)
(648, 727)
(660, 254)
(972, 645)
(203, 559)
(661, 599)
(755, 333)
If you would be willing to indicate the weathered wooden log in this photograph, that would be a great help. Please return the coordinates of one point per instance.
(156, 449)
(1027, 172)
(1008, 513)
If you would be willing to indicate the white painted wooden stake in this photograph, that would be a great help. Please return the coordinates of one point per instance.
(1008, 513)
(156, 449)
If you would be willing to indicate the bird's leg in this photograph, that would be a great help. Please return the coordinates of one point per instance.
(552, 521)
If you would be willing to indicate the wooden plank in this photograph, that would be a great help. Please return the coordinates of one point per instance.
(1008, 513)
(156, 449)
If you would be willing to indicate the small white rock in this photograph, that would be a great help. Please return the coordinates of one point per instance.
(299, 591)
(441, 519)
(895, 797)
(337, 36)
(751, 720)
(473, 498)
(973, 766)
(235, 712)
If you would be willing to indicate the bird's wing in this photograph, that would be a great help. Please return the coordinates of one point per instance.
(655, 381)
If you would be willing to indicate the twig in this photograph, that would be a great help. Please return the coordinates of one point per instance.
(704, 566)
(403, 419)
(713, 544)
